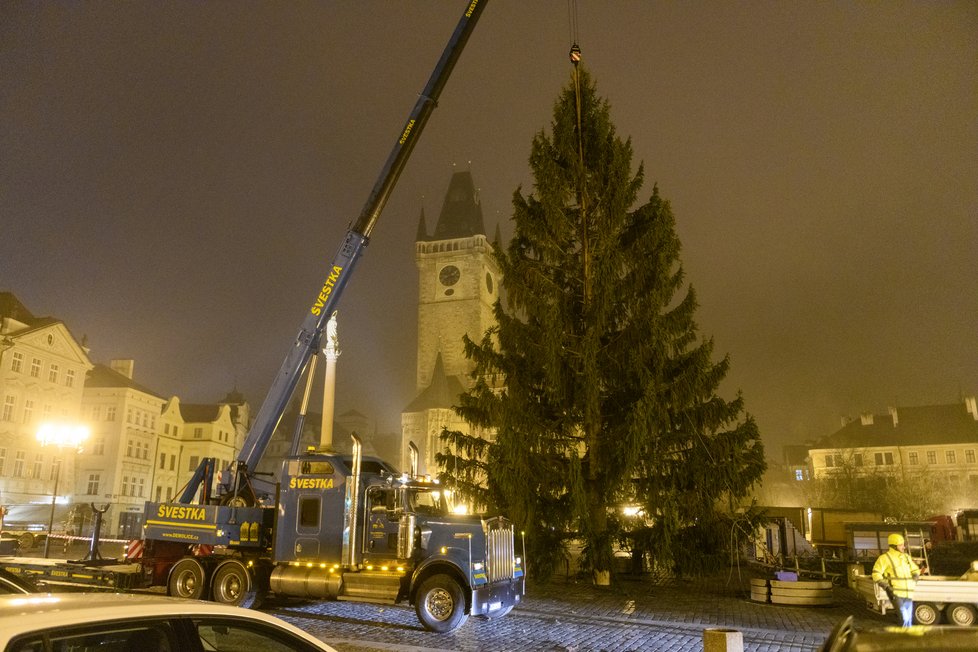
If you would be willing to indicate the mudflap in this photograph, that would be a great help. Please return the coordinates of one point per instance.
(492, 597)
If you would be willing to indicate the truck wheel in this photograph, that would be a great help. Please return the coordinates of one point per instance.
(925, 613)
(962, 615)
(440, 604)
(186, 579)
(232, 585)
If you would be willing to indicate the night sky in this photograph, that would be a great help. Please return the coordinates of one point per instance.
(175, 178)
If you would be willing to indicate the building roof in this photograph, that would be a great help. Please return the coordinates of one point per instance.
(10, 306)
(461, 212)
(200, 412)
(443, 392)
(102, 376)
(908, 426)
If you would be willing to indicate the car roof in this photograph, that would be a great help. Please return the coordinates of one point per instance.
(21, 614)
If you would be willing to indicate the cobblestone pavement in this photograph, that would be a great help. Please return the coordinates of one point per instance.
(564, 615)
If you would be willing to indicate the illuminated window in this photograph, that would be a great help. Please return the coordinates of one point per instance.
(799, 475)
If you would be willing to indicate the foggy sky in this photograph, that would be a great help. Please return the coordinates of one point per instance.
(175, 178)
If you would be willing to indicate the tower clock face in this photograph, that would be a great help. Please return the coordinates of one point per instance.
(449, 275)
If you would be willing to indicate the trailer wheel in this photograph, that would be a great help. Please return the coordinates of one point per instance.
(962, 615)
(926, 613)
(232, 585)
(440, 604)
(186, 579)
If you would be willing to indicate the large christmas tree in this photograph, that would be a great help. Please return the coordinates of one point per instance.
(595, 381)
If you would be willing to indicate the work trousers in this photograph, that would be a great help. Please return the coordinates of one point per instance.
(904, 606)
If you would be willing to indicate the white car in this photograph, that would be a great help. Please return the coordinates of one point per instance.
(117, 622)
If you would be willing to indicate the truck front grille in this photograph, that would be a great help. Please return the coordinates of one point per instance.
(500, 562)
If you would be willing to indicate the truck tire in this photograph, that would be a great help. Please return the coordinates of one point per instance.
(186, 579)
(232, 584)
(961, 614)
(440, 604)
(926, 613)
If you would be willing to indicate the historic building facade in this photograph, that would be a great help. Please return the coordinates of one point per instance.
(42, 376)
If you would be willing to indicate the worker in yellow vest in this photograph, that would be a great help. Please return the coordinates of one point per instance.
(896, 572)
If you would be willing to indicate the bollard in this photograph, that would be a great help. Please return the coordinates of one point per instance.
(722, 640)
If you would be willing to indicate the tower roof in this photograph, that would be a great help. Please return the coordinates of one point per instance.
(461, 212)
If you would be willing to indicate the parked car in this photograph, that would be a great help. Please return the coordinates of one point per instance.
(919, 638)
(11, 583)
(116, 622)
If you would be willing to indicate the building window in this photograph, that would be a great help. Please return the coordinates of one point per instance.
(28, 411)
(829, 461)
(8, 408)
(129, 415)
(194, 462)
(35, 368)
(18, 362)
(55, 469)
(142, 486)
(3, 459)
(883, 458)
(145, 420)
(129, 448)
(932, 457)
(19, 464)
(159, 493)
(169, 494)
(99, 447)
(110, 413)
(93, 480)
(969, 456)
(53, 373)
(173, 461)
(166, 429)
(176, 431)
(69, 378)
(162, 464)
(913, 458)
(950, 457)
(799, 475)
(36, 469)
(198, 433)
(857, 459)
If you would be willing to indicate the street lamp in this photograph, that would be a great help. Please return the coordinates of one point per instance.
(62, 435)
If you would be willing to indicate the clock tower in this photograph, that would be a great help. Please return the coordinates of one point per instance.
(457, 280)
(458, 283)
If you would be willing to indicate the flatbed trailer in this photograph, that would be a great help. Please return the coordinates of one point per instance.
(936, 598)
(57, 574)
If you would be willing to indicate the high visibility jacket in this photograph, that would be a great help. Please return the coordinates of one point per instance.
(899, 569)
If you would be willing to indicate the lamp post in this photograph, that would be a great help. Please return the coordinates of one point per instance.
(61, 435)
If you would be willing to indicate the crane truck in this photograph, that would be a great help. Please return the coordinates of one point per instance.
(343, 527)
